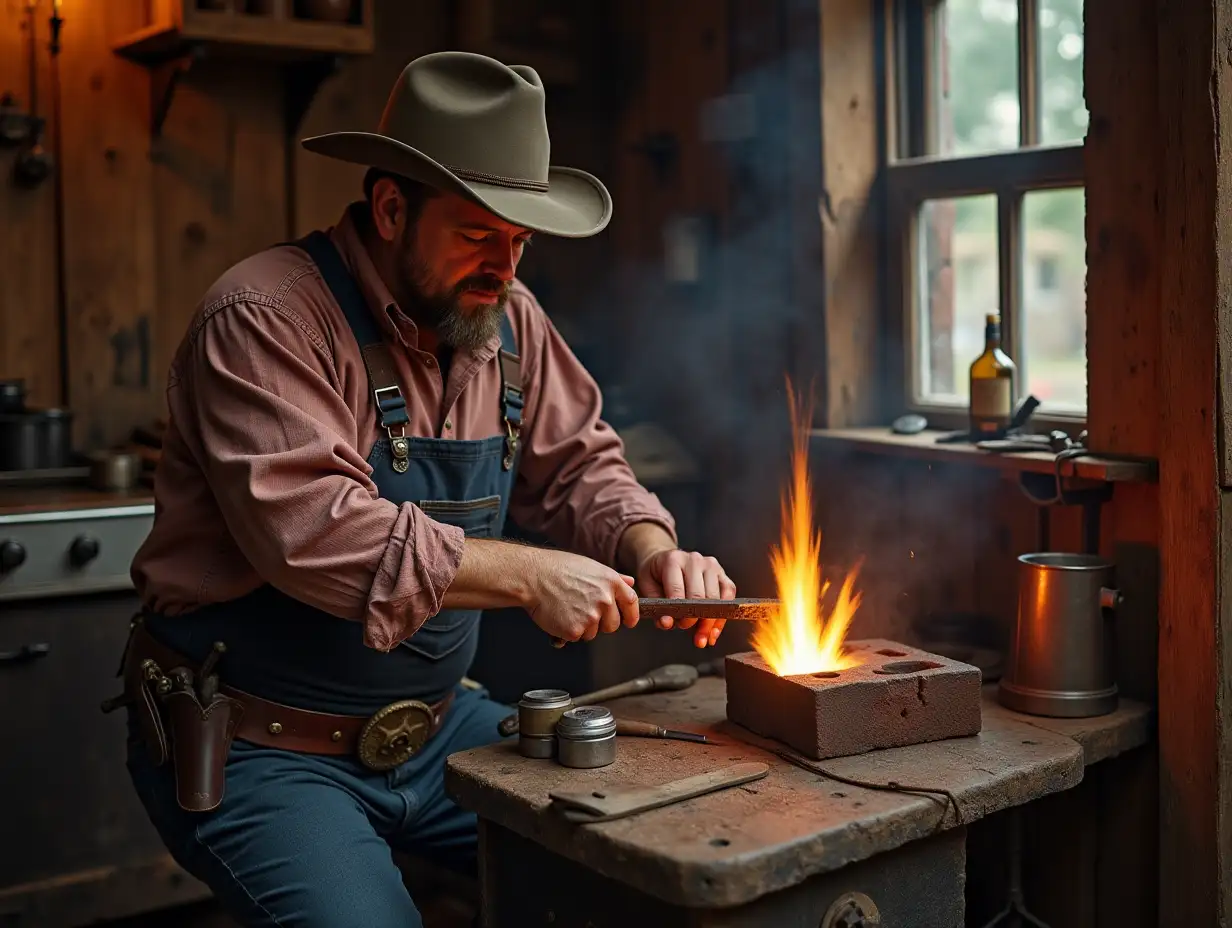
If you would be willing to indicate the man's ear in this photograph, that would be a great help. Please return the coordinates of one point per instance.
(388, 209)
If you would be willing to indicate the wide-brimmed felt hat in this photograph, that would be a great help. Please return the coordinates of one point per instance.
(471, 125)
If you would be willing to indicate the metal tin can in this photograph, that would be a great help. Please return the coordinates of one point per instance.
(538, 713)
(586, 737)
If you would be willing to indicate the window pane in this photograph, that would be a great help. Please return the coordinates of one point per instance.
(1054, 317)
(977, 76)
(1063, 111)
(957, 283)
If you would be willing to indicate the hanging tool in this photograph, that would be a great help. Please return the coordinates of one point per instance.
(33, 164)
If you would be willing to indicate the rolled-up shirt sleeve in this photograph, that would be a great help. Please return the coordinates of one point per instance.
(278, 445)
(574, 484)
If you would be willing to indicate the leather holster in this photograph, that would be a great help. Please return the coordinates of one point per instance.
(193, 727)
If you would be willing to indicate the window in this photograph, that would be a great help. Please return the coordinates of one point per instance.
(984, 191)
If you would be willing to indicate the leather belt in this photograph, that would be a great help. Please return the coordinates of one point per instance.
(381, 741)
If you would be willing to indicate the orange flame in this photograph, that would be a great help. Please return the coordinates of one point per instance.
(800, 639)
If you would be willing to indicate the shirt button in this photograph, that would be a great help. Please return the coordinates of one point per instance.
(431, 362)
(448, 424)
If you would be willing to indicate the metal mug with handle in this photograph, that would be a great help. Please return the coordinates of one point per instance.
(1062, 655)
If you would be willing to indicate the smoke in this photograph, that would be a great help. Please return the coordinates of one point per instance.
(701, 337)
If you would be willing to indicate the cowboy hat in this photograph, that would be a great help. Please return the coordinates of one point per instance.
(468, 124)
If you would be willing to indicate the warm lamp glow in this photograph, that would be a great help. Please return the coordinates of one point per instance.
(800, 639)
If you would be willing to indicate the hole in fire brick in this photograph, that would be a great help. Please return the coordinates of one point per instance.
(888, 652)
(599, 795)
(826, 675)
(907, 666)
(719, 842)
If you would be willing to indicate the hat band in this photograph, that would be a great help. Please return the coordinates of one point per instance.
(497, 180)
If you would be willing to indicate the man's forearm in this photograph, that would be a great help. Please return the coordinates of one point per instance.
(638, 542)
(493, 575)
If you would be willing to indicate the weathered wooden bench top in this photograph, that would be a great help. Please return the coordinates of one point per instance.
(733, 846)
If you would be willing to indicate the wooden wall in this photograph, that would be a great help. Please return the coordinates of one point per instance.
(29, 322)
(149, 222)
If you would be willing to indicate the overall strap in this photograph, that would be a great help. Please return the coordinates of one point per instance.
(378, 360)
(512, 399)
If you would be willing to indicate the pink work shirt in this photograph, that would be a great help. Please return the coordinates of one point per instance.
(264, 478)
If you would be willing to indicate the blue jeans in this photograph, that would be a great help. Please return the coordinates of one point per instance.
(305, 840)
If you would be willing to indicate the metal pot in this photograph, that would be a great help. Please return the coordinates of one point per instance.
(34, 439)
(1062, 652)
(114, 470)
(12, 395)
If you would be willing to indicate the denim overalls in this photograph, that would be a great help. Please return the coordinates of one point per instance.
(302, 839)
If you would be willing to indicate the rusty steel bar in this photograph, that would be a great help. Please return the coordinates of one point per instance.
(752, 610)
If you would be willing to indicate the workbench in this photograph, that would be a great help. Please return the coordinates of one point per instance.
(778, 851)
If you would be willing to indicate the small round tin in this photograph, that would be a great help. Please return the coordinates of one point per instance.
(586, 737)
(538, 713)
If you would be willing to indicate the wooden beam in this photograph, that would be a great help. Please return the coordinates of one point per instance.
(1121, 77)
(1194, 115)
(848, 208)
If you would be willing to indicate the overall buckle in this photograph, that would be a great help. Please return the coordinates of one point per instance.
(401, 449)
(511, 445)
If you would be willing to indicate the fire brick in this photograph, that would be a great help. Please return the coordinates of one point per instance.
(896, 696)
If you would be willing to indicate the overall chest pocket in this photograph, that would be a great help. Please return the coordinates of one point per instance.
(449, 629)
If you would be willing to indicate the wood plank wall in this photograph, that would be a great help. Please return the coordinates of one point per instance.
(150, 222)
(29, 321)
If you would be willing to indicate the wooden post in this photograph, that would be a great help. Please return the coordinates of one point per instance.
(1195, 669)
(851, 158)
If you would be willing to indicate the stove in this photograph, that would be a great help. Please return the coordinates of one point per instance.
(87, 851)
(80, 546)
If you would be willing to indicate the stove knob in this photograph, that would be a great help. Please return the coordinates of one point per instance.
(83, 550)
(12, 555)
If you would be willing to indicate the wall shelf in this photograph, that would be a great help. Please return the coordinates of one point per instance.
(279, 31)
(179, 33)
(924, 447)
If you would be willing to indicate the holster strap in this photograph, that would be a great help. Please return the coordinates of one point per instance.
(271, 724)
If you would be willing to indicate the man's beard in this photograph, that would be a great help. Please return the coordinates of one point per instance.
(441, 309)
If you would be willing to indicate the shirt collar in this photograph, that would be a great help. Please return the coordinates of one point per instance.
(393, 321)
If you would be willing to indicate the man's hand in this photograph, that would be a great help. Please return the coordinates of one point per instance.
(573, 597)
(662, 569)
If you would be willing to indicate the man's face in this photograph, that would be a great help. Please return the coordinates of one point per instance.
(457, 262)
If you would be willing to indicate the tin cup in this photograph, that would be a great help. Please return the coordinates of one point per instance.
(538, 713)
(586, 737)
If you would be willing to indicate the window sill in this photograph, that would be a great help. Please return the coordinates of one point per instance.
(924, 447)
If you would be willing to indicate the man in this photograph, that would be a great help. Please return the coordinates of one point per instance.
(351, 418)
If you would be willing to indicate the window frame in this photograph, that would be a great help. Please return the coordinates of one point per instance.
(914, 174)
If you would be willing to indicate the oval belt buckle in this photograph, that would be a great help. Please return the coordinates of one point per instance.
(394, 734)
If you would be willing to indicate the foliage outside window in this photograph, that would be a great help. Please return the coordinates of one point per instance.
(985, 193)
